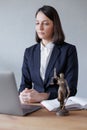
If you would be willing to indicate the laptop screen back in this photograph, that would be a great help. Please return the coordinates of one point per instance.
(9, 97)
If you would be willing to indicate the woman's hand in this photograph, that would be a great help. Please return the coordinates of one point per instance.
(31, 96)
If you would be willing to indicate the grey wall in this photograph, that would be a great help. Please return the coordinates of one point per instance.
(17, 31)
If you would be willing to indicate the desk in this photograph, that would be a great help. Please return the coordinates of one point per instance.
(45, 120)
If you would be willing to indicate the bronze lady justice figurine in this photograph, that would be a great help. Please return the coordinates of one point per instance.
(63, 92)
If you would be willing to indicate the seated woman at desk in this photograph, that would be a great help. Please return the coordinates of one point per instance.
(51, 51)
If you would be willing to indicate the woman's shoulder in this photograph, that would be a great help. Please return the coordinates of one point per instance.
(32, 47)
(70, 48)
(67, 45)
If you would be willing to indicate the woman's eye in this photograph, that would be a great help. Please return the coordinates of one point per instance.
(46, 23)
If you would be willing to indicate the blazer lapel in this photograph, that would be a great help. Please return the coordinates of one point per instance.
(55, 54)
(37, 64)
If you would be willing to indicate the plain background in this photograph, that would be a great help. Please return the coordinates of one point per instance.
(17, 31)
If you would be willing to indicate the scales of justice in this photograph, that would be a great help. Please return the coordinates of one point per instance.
(63, 93)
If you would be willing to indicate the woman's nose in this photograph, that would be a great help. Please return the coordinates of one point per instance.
(41, 27)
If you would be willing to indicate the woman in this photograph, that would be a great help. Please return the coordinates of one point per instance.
(41, 59)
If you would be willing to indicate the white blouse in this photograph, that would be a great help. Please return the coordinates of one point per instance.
(45, 57)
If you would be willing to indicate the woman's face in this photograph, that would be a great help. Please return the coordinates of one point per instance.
(44, 27)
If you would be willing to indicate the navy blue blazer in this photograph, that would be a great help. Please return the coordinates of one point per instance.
(64, 59)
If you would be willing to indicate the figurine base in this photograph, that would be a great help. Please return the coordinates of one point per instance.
(62, 112)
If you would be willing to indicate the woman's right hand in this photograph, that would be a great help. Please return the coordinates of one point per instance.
(24, 96)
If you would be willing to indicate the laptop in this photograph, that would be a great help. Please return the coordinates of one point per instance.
(9, 97)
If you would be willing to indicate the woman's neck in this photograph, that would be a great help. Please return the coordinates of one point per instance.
(45, 42)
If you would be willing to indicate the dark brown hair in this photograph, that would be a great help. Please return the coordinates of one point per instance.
(51, 13)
